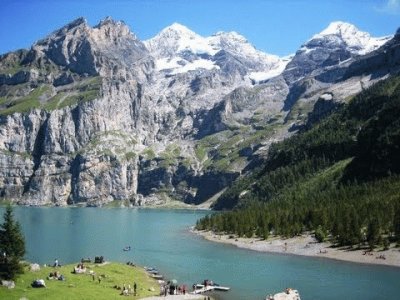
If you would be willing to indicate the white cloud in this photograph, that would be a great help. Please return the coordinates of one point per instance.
(391, 7)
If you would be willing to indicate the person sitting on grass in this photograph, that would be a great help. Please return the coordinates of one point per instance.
(80, 268)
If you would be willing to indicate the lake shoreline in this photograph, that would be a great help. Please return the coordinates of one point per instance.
(306, 245)
(172, 205)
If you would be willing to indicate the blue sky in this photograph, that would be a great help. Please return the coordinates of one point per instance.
(277, 27)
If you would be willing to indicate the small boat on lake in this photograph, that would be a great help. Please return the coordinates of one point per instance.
(157, 276)
(153, 272)
(215, 287)
(150, 269)
(207, 286)
(127, 248)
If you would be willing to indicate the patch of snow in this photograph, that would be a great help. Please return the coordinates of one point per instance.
(265, 75)
(196, 44)
(306, 50)
(196, 64)
(166, 63)
(326, 97)
(176, 65)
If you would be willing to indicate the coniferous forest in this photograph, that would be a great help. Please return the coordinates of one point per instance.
(338, 178)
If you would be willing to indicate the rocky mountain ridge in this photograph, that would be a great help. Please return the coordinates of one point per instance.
(92, 115)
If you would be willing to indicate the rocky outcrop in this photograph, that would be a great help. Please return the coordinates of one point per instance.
(8, 284)
(17, 78)
(182, 182)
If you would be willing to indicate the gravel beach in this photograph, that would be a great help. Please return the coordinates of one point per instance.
(306, 245)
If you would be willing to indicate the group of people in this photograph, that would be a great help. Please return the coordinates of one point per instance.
(172, 289)
(55, 275)
(130, 263)
(98, 259)
(127, 290)
(207, 283)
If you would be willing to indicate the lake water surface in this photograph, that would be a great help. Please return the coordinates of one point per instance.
(161, 238)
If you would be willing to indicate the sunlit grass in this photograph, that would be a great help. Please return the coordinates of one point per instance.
(82, 286)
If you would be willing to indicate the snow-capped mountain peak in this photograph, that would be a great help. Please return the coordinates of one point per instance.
(177, 32)
(262, 66)
(357, 41)
(339, 28)
(231, 36)
(179, 28)
(177, 49)
(177, 38)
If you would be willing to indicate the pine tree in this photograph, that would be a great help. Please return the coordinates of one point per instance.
(396, 224)
(12, 246)
(373, 233)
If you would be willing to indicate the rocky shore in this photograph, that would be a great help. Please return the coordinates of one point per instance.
(306, 245)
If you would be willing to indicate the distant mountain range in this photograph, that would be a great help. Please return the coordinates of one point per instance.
(94, 116)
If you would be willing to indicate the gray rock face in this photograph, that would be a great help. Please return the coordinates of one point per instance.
(18, 78)
(93, 115)
(61, 160)
(320, 52)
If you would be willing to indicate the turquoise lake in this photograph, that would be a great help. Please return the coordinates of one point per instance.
(161, 238)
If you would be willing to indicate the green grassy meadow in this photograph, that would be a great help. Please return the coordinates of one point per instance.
(82, 286)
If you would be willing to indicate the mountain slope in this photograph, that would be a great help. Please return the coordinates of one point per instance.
(56, 119)
(91, 115)
(340, 177)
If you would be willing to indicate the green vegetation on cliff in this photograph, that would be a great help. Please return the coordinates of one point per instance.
(338, 178)
(225, 151)
(22, 98)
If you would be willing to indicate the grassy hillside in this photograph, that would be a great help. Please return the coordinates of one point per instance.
(338, 178)
(82, 286)
(23, 97)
